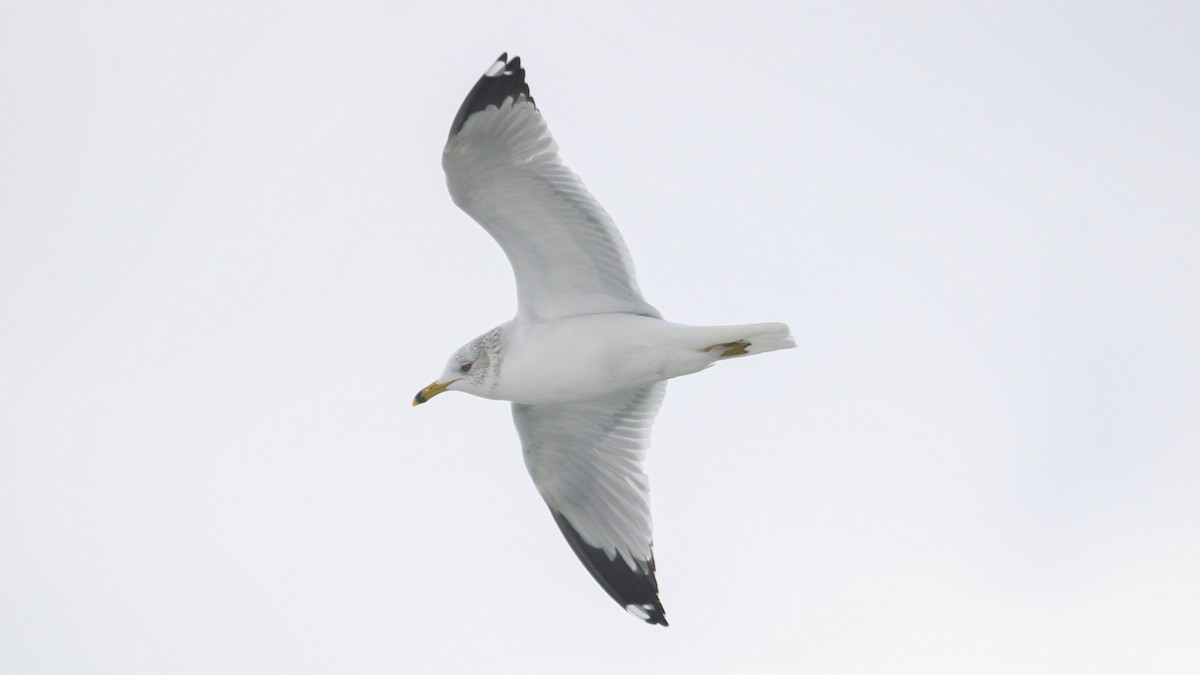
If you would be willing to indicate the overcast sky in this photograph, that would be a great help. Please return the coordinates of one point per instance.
(228, 260)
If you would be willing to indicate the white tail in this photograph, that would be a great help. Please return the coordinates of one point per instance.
(767, 337)
(754, 338)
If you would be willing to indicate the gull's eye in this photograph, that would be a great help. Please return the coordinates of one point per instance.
(466, 367)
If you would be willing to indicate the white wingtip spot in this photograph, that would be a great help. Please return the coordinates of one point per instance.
(640, 611)
(495, 70)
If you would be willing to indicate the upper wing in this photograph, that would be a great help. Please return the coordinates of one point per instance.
(586, 461)
(502, 168)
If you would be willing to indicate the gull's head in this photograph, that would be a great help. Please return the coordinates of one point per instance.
(471, 369)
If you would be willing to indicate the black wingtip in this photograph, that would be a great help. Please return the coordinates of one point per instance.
(636, 591)
(502, 80)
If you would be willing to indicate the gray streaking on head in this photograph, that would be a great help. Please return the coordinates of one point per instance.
(585, 360)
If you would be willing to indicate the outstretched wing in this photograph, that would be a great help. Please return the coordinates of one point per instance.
(502, 168)
(586, 461)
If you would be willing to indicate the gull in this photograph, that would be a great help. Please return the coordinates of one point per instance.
(585, 360)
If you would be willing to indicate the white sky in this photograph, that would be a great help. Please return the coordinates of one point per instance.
(228, 261)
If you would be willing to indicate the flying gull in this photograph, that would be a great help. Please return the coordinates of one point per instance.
(586, 359)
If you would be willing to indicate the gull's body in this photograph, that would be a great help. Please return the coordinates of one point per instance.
(586, 359)
(605, 354)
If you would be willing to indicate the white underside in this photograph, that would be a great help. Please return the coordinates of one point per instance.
(585, 357)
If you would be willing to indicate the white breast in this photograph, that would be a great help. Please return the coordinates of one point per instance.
(584, 357)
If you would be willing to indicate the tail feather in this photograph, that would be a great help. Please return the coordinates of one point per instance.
(755, 338)
(767, 337)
